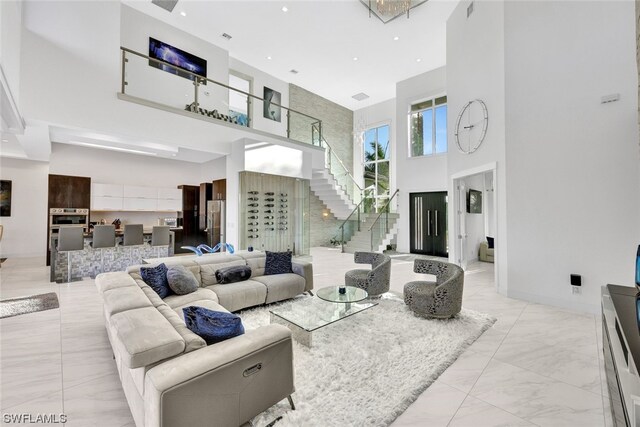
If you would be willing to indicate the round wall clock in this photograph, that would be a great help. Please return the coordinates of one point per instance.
(471, 126)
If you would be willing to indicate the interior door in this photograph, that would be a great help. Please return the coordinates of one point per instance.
(428, 223)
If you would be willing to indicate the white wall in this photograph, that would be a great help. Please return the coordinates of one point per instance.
(581, 213)
(10, 32)
(25, 231)
(416, 174)
(475, 70)
(213, 169)
(153, 84)
(261, 79)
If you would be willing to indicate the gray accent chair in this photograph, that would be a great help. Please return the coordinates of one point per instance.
(440, 299)
(375, 281)
(70, 239)
(104, 237)
(160, 237)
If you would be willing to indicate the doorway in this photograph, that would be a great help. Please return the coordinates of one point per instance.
(428, 223)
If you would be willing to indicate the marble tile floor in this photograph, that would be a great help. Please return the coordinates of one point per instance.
(538, 365)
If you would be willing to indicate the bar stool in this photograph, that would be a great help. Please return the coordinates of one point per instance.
(133, 237)
(160, 238)
(70, 239)
(104, 237)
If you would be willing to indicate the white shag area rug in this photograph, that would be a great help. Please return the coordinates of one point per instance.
(367, 369)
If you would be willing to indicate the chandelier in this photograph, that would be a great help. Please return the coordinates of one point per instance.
(388, 10)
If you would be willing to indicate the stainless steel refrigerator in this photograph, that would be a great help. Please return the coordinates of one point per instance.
(216, 223)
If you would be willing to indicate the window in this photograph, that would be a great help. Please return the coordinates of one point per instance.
(238, 103)
(376, 166)
(428, 127)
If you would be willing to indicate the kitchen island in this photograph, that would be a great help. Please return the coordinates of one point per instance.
(88, 262)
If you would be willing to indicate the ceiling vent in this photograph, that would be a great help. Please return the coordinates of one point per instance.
(293, 71)
(167, 5)
(226, 36)
(360, 96)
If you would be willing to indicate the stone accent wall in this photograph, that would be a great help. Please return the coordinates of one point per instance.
(337, 122)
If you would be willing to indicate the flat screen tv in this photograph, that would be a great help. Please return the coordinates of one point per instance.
(181, 59)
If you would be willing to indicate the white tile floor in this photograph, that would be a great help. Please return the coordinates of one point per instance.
(538, 365)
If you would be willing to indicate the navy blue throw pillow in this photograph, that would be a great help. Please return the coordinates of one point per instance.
(212, 326)
(236, 273)
(156, 277)
(490, 242)
(278, 263)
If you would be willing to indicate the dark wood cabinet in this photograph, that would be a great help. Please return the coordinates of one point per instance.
(67, 191)
(220, 189)
(189, 218)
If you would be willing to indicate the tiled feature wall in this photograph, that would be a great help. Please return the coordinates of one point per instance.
(337, 122)
(323, 228)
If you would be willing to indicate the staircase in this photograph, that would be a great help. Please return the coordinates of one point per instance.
(361, 240)
(324, 185)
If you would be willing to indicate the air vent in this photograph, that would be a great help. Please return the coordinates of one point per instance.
(360, 96)
(293, 71)
(167, 5)
(226, 36)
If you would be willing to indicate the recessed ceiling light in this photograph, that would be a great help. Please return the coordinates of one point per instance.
(285, 9)
(418, 60)
(396, 38)
(5, 140)
(269, 58)
(360, 96)
(226, 36)
(355, 58)
(293, 71)
(183, 13)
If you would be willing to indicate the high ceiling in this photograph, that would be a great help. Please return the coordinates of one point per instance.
(320, 39)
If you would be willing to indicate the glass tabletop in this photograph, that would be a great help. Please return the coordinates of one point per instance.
(313, 313)
(332, 294)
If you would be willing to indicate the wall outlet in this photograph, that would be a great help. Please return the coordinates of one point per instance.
(576, 290)
(610, 98)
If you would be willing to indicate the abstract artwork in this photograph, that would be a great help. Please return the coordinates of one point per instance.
(474, 202)
(179, 58)
(270, 111)
(5, 198)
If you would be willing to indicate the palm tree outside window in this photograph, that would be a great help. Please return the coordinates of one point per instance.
(376, 167)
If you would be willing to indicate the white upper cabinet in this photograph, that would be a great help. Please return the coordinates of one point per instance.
(170, 194)
(106, 190)
(140, 192)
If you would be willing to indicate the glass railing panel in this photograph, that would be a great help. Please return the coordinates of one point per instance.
(350, 227)
(378, 232)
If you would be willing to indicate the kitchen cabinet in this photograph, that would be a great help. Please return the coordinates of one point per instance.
(220, 189)
(169, 205)
(131, 191)
(106, 203)
(107, 190)
(69, 192)
(139, 204)
(170, 194)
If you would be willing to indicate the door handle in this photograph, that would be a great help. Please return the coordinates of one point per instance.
(428, 222)
(436, 211)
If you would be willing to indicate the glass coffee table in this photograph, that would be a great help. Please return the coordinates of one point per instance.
(305, 316)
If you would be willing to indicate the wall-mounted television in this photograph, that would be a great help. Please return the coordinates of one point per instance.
(181, 59)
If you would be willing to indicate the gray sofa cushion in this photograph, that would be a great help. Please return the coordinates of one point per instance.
(122, 299)
(282, 286)
(144, 336)
(255, 260)
(202, 293)
(237, 296)
(192, 341)
(181, 281)
(118, 279)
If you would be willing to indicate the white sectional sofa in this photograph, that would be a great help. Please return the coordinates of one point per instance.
(170, 377)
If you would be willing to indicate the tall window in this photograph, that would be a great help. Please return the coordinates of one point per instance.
(428, 127)
(376, 166)
(238, 103)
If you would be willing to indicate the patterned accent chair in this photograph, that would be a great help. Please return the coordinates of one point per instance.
(375, 281)
(442, 298)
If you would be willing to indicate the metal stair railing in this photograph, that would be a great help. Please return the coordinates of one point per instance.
(359, 209)
(381, 227)
(336, 166)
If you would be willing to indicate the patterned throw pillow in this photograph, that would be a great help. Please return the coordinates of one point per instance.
(233, 274)
(156, 278)
(212, 326)
(181, 281)
(490, 242)
(278, 263)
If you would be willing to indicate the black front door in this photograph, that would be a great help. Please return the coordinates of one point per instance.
(428, 219)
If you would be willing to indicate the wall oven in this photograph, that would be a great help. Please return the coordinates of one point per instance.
(67, 217)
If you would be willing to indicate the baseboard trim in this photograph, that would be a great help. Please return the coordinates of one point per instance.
(556, 302)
